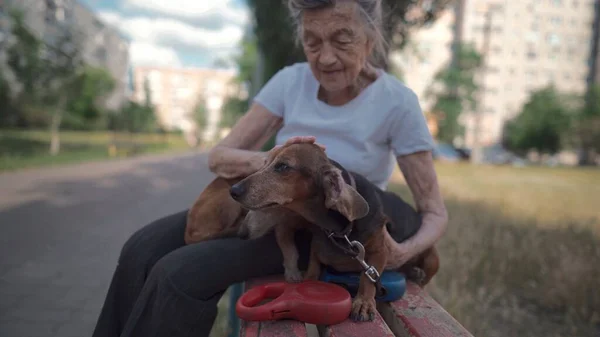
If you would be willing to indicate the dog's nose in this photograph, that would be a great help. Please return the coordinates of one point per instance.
(237, 191)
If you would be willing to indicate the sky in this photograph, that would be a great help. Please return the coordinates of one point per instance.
(178, 33)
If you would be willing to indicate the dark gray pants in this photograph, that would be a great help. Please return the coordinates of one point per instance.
(162, 287)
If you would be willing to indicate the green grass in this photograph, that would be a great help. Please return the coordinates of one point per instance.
(522, 250)
(29, 148)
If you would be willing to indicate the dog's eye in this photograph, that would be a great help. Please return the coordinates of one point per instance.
(281, 167)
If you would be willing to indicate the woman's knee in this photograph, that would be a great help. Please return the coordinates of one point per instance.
(153, 241)
(202, 270)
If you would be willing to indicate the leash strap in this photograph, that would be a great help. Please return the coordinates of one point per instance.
(354, 249)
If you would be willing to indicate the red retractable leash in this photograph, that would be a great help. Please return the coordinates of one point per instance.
(313, 302)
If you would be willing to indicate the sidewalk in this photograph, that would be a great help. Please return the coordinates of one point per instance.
(61, 230)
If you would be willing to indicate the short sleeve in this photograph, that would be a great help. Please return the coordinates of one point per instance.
(272, 94)
(408, 128)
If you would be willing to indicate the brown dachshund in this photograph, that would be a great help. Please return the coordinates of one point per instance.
(302, 179)
(216, 215)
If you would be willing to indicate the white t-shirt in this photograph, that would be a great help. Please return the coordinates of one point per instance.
(364, 135)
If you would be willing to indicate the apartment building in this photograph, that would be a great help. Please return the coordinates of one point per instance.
(428, 51)
(175, 93)
(529, 44)
(101, 45)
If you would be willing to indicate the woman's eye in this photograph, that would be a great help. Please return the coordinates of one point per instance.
(281, 167)
(311, 43)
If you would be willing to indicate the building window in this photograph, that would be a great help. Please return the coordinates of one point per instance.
(60, 14)
(99, 38)
(532, 36)
(531, 55)
(553, 39)
(556, 20)
(101, 54)
(556, 2)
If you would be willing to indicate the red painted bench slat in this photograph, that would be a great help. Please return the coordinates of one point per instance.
(281, 328)
(377, 327)
(416, 314)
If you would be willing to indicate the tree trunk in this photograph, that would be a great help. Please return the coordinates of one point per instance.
(55, 133)
(587, 156)
(55, 126)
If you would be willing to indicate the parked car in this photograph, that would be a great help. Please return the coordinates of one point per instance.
(446, 152)
(465, 153)
(498, 155)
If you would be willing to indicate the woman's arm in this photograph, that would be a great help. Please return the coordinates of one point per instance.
(237, 154)
(419, 173)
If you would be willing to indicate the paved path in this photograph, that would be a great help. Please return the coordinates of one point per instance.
(61, 230)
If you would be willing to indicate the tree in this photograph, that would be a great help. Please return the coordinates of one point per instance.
(46, 71)
(8, 115)
(276, 36)
(24, 63)
(86, 107)
(454, 90)
(236, 105)
(587, 126)
(63, 65)
(200, 117)
(542, 124)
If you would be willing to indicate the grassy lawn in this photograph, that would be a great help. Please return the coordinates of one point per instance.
(26, 149)
(521, 255)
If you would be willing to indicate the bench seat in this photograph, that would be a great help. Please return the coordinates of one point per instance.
(416, 314)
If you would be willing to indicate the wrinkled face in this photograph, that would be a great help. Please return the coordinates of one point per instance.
(290, 175)
(336, 44)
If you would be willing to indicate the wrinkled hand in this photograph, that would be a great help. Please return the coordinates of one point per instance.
(401, 253)
(264, 156)
(301, 140)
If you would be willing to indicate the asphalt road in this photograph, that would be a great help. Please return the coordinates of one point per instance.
(61, 230)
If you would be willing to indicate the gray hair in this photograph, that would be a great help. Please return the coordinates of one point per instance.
(370, 12)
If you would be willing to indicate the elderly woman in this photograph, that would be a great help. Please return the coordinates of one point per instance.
(367, 120)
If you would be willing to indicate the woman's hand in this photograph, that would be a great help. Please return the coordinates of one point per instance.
(291, 140)
(300, 140)
(420, 176)
(400, 254)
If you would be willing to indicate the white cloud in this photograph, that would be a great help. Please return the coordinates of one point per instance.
(142, 53)
(193, 8)
(175, 32)
(170, 35)
(110, 18)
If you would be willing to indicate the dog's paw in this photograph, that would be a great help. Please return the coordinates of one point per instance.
(417, 275)
(293, 275)
(311, 276)
(363, 310)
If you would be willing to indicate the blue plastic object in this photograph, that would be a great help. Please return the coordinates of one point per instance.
(393, 283)
(236, 291)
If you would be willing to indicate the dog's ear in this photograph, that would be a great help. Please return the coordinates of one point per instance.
(342, 197)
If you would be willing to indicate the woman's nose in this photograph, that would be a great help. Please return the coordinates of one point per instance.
(327, 56)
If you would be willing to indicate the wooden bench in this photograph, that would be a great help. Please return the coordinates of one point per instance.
(416, 314)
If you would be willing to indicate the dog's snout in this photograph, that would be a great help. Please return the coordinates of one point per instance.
(237, 191)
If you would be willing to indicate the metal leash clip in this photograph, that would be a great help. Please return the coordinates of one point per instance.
(370, 271)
